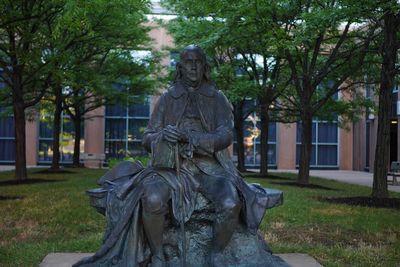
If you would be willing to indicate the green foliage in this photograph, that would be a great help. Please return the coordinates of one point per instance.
(54, 215)
(112, 162)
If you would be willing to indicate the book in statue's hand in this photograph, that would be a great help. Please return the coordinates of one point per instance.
(162, 153)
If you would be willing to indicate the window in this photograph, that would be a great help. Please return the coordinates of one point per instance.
(324, 144)
(252, 143)
(125, 126)
(7, 137)
(46, 139)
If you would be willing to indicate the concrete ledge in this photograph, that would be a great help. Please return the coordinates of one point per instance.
(67, 259)
(299, 260)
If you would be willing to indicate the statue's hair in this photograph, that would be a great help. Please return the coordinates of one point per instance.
(199, 51)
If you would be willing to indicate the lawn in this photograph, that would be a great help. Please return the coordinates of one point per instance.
(52, 214)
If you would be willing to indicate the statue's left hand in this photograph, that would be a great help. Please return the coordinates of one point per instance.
(173, 134)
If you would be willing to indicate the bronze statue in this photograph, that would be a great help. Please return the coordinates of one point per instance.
(188, 135)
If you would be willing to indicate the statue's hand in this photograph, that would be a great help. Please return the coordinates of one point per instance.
(172, 134)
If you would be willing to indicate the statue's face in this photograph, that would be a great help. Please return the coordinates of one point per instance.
(192, 67)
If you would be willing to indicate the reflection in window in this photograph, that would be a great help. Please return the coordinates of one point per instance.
(125, 126)
(252, 143)
(324, 144)
(67, 136)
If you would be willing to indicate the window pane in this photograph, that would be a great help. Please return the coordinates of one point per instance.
(327, 133)
(249, 156)
(136, 128)
(115, 149)
(45, 150)
(7, 150)
(46, 127)
(140, 110)
(327, 155)
(7, 127)
(271, 154)
(116, 110)
(299, 132)
(68, 128)
(272, 132)
(313, 157)
(115, 129)
(67, 150)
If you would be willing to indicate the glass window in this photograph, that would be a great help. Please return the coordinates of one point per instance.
(251, 133)
(67, 136)
(327, 155)
(324, 144)
(7, 128)
(327, 132)
(7, 137)
(125, 126)
(7, 150)
(300, 129)
(115, 128)
(313, 155)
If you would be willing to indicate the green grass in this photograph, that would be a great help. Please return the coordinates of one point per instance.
(54, 216)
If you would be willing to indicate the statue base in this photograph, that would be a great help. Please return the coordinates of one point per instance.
(67, 259)
(244, 250)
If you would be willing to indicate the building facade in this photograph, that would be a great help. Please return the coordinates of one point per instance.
(116, 131)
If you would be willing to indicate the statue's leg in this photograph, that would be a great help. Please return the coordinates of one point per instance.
(155, 207)
(226, 200)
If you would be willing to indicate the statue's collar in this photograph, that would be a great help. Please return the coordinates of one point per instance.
(206, 89)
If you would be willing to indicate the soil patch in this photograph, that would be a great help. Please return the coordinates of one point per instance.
(10, 197)
(270, 177)
(62, 170)
(28, 181)
(311, 186)
(392, 203)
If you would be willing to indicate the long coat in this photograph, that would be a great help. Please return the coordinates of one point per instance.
(217, 119)
(122, 187)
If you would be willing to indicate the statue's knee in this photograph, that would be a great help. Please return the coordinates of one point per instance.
(154, 203)
(230, 205)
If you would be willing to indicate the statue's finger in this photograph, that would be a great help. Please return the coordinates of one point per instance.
(172, 132)
(170, 139)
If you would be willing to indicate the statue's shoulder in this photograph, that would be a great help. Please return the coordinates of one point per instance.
(175, 90)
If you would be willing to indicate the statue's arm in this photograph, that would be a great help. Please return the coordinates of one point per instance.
(222, 136)
(155, 125)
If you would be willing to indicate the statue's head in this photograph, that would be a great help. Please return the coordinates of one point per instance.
(192, 68)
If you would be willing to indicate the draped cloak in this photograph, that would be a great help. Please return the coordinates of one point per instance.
(124, 241)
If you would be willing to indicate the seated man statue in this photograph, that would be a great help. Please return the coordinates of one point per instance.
(188, 135)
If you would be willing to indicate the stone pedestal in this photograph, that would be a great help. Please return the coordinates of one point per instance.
(67, 259)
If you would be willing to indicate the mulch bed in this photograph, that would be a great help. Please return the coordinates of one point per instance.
(269, 176)
(50, 170)
(392, 203)
(10, 197)
(311, 186)
(27, 181)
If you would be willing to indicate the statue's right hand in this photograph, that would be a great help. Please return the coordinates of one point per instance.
(171, 134)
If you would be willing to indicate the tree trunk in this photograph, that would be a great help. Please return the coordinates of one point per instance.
(20, 142)
(77, 141)
(21, 173)
(238, 118)
(382, 149)
(305, 149)
(264, 140)
(55, 164)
